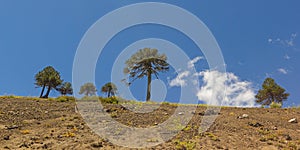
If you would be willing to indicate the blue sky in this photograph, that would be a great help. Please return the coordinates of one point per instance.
(258, 39)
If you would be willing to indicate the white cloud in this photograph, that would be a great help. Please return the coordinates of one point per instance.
(186, 74)
(216, 84)
(193, 61)
(282, 70)
(287, 43)
(270, 40)
(287, 57)
(218, 88)
(180, 79)
(290, 42)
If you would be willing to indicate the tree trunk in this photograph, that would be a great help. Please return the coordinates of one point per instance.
(108, 93)
(41, 95)
(149, 86)
(48, 92)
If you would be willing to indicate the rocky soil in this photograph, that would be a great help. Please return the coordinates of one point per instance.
(44, 124)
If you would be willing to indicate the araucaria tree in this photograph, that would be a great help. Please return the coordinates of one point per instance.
(65, 89)
(49, 78)
(110, 89)
(271, 92)
(146, 62)
(88, 89)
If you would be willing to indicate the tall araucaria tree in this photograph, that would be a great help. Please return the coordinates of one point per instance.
(110, 89)
(88, 89)
(48, 78)
(65, 89)
(146, 62)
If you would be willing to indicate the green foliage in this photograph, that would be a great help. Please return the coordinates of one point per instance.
(88, 89)
(109, 88)
(109, 100)
(65, 88)
(271, 92)
(275, 105)
(48, 77)
(65, 99)
(146, 62)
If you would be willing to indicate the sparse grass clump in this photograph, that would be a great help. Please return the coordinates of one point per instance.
(11, 97)
(69, 134)
(187, 128)
(65, 99)
(25, 131)
(212, 136)
(263, 132)
(188, 145)
(153, 140)
(269, 137)
(114, 115)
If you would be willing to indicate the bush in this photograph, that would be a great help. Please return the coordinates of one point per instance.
(65, 98)
(110, 100)
(275, 105)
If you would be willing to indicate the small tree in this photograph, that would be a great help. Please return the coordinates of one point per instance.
(146, 62)
(110, 89)
(88, 89)
(270, 93)
(65, 89)
(48, 77)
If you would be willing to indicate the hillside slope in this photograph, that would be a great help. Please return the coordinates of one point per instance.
(42, 124)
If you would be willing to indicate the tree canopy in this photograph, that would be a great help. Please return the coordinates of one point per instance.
(110, 89)
(146, 62)
(65, 88)
(88, 89)
(271, 92)
(48, 77)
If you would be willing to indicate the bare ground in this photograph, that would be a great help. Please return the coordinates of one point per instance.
(44, 124)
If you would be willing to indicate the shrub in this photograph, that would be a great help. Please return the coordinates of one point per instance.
(110, 100)
(275, 105)
(65, 98)
(165, 103)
